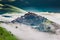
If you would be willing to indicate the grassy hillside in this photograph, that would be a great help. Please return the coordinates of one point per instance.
(5, 35)
(5, 8)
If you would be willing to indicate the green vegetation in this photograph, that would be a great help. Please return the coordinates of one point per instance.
(1, 21)
(5, 35)
(48, 22)
(6, 8)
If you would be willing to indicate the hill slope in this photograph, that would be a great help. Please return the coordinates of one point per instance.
(5, 35)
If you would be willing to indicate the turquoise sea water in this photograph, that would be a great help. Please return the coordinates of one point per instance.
(34, 5)
(41, 9)
(7, 9)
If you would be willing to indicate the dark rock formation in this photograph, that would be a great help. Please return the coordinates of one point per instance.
(30, 19)
(35, 21)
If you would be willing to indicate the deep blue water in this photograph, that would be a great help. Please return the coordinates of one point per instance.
(34, 5)
(41, 9)
(35, 9)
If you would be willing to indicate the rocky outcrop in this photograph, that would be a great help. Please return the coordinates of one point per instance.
(30, 19)
(35, 21)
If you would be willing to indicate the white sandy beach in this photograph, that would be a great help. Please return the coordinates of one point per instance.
(25, 32)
